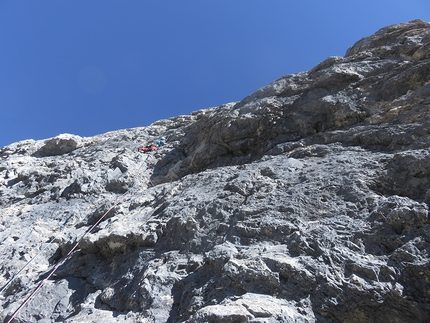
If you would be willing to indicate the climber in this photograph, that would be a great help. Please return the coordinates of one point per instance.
(153, 147)
(160, 142)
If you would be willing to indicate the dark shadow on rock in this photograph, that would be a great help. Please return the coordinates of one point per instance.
(81, 289)
(407, 174)
(69, 191)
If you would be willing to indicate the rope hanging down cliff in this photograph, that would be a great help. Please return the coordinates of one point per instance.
(25, 266)
(159, 144)
(76, 245)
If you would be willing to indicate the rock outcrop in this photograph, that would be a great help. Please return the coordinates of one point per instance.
(307, 201)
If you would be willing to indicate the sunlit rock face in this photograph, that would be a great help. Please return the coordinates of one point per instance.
(307, 201)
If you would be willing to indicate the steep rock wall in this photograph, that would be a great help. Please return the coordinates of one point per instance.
(305, 202)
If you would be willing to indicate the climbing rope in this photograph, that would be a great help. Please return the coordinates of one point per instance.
(75, 246)
(148, 166)
(25, 266)
(52, 239)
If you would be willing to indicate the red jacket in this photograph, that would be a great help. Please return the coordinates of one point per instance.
(152, 147)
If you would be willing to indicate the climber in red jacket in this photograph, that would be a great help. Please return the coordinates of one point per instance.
(151, 147)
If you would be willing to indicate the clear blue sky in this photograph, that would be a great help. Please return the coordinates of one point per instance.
(90, 66)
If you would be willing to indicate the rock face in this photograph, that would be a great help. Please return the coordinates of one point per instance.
(305, 202)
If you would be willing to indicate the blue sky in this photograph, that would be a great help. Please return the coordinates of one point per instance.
(90, 66)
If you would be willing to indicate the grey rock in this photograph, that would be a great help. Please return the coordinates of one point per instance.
(307, 201)
(60, 145)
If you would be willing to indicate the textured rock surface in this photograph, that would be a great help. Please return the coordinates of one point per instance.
(305, 202)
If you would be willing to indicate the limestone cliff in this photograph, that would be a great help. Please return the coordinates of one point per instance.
(307, 201)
